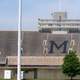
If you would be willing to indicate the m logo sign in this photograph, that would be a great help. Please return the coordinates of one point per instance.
(53, 44)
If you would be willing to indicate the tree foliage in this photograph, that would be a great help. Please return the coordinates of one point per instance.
(71, 65)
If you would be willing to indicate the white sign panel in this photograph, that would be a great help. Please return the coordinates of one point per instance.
(22, 74)
(7, 74)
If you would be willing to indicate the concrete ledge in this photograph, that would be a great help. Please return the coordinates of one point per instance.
(36, 60)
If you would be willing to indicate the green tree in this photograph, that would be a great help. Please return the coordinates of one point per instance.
(71, 64)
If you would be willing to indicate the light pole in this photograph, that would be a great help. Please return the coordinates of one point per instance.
(60, 5)
(19, 41)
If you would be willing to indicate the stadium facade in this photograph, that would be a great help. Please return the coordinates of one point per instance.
(42, 51)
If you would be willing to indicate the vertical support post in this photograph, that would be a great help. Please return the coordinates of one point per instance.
(35, 73)
(19, 41)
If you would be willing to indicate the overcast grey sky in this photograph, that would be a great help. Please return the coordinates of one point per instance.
(34, 9)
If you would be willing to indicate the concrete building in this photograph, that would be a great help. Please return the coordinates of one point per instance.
(42, 53)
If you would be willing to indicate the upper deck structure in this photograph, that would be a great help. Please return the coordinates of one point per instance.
(59, 22)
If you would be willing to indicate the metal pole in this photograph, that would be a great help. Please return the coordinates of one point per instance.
(19, 42)
(60, 5)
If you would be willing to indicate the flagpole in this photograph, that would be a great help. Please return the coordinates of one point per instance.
(19, 42)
